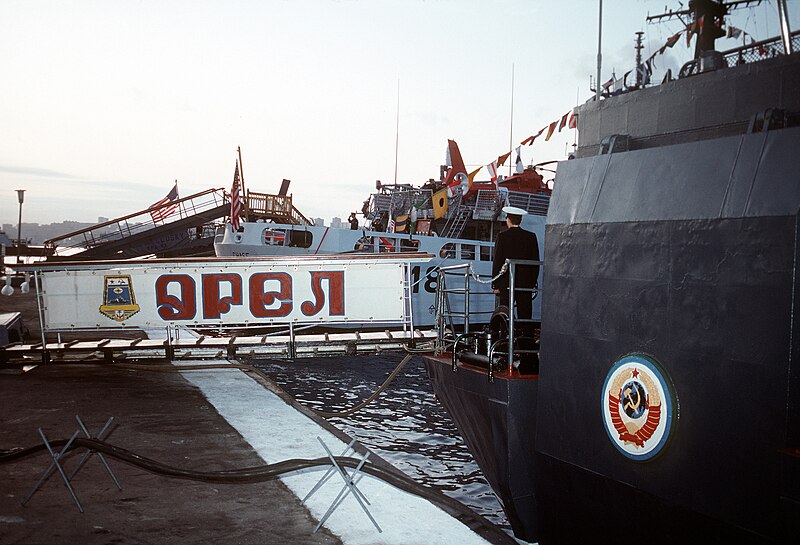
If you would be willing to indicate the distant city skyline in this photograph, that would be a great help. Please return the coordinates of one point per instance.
(111, 102)
(37, 233)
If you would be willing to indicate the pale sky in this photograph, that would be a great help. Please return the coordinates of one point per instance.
(105, 103)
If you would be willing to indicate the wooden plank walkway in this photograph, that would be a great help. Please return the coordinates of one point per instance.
(206, 346)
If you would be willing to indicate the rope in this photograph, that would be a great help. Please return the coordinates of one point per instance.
(476, 276)
(256, 370)
(371, 398)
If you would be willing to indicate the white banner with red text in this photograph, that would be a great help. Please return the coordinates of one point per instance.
(213, 294)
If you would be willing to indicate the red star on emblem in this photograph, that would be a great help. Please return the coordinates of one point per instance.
(634, 373)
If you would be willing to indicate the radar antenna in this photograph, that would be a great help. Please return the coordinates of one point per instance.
(705, 18)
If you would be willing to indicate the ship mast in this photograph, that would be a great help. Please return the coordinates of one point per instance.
(599, 48)
(639, 48)
(397, 132)
(711, 13)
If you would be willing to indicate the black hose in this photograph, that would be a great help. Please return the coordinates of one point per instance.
(268, 472)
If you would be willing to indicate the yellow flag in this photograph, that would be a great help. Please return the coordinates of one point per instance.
(440, 204)
(471, 176)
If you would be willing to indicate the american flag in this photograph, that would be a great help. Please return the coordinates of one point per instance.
(236, 200)
(165, 207)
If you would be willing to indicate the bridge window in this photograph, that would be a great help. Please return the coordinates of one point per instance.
(274, 237)
(387, 244)
(468, 251)
(486, 253)
(364, 244)
(448, 250)
(300, 239)
(407, 245)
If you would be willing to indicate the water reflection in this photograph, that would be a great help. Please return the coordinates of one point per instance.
(405, 424)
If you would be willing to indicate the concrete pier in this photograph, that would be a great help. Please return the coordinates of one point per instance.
(201, 420)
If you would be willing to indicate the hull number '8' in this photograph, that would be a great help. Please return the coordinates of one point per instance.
(431, 278)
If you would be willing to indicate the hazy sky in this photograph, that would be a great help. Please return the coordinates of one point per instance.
(105, 103)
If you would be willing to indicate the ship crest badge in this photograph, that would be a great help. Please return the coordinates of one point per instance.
(638, 407)
(119, 301)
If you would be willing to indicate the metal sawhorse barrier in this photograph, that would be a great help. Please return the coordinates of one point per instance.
(56, 458)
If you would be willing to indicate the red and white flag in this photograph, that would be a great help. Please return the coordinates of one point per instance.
(563, 121)
(528, 141)
(573, 121)
(167, 206)
(236, 201)
(492, 168)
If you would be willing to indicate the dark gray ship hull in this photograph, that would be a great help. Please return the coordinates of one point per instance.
(496, 420)
(678, 248)
(687, 253)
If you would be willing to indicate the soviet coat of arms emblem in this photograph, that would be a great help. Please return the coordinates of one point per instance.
(638, 407)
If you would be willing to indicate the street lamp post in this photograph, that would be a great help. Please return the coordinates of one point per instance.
(21, 198)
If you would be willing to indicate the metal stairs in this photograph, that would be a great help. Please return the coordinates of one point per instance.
(458, 220)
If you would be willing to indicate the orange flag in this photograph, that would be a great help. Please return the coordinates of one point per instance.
(550, 130)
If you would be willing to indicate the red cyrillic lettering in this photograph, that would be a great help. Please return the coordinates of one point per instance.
(171, 307)
(214, 305)
(260, 299)
(335, 293)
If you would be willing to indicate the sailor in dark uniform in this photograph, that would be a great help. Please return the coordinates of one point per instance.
(516, 243)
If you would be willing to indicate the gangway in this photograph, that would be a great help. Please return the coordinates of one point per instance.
(277, 306)
(188, 231)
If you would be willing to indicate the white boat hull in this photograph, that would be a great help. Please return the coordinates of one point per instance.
(258, 239)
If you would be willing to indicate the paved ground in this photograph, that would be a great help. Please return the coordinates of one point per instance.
(158, 415)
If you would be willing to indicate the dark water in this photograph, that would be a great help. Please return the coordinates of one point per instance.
(405, 425)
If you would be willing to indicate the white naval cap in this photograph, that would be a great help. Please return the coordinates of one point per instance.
(514, 210)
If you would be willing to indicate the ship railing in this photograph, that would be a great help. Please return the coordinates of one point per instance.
(278, 207)
(446, 315)
(535, 203)
(487, 204)
(137, 222)
(747, 54)
(757, 51)
(398, 201)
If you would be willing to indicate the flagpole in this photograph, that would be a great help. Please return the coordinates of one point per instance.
(511, 127)
(241, 183)
(575, 129)
(397, 132)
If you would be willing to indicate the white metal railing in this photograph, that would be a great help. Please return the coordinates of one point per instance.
(447, 316)
(138, 222)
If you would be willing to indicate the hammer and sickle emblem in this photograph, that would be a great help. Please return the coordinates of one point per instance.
(629, 402)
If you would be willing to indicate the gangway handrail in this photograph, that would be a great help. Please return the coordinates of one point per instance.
(442, 302)
(270, 207)
(220, 197)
